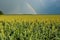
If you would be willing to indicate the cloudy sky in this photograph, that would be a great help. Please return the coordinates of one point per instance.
(30, 6)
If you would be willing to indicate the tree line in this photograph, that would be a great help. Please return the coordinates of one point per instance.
(1, 13)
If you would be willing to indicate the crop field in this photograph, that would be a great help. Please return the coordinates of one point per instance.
(29, 27)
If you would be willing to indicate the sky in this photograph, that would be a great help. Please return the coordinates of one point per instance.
(30, 6)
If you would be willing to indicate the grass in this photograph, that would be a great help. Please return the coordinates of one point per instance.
(29, 27)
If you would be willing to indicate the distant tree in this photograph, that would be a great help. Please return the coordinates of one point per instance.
(1, 13)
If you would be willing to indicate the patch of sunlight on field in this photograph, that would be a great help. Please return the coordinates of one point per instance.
(33, 18)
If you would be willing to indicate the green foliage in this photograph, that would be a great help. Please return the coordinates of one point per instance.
(29, 31)
(1, 13)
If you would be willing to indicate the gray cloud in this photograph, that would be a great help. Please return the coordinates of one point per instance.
(39, 6)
